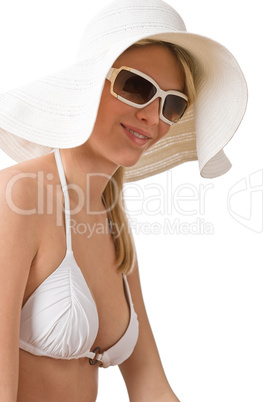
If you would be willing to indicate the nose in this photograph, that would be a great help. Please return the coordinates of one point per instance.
(150, 113)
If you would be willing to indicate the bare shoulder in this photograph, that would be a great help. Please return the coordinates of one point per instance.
(20, 188)
(21, 184)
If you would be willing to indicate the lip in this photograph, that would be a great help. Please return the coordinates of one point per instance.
(138, 130)
(136, 140)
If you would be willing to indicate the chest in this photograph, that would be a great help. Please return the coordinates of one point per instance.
(94, 253)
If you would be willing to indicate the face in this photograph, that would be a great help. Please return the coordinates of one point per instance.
(112, 137)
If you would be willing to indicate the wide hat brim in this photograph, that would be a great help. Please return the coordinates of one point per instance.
(59, 111)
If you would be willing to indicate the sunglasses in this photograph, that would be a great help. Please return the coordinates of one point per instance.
(137, 89)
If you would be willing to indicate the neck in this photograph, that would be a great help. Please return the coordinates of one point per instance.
(87, 174)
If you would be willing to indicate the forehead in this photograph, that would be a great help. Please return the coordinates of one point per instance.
(157, 61)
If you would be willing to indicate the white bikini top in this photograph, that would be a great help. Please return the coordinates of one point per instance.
(60, 319)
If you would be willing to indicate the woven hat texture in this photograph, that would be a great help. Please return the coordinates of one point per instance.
(59, 110)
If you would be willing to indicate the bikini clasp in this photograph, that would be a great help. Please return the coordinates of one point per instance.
(94, 361)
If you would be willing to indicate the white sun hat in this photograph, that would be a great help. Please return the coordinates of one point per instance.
(59, 111)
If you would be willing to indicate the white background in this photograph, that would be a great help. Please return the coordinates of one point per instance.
(206, 294)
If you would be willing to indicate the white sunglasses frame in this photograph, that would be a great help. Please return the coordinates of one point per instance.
(160, 93)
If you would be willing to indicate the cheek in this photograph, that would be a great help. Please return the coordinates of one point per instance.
(106, 111)
(163, 130)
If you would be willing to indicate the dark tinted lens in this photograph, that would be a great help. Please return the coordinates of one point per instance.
(133, 87)
(174, 107)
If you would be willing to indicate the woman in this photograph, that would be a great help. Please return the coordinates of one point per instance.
(70, 304)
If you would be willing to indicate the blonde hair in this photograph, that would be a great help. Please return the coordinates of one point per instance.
(119, 224)
(184, 60)
(113, 193)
